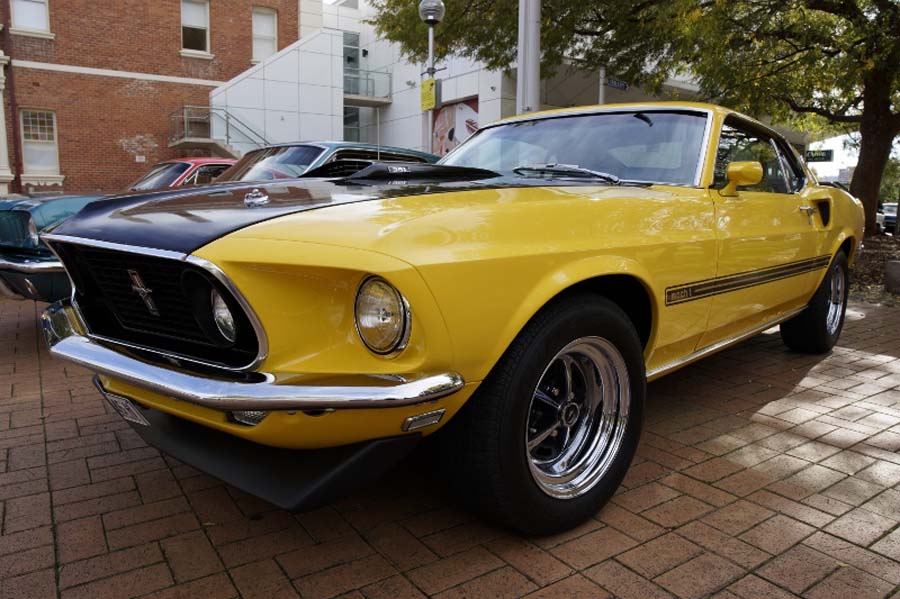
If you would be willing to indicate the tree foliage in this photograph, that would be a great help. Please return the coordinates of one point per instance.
(836, 61)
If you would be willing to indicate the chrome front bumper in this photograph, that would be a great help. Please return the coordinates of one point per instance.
(66, 337)
(31, 267)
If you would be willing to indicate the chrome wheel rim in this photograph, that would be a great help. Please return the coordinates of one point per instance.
(577, 417)
(835, 300)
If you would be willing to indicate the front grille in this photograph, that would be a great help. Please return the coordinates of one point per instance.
(172, 321)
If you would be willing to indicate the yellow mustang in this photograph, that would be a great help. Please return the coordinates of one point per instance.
(296, 338)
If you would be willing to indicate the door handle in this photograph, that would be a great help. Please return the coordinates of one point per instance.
(809, 211)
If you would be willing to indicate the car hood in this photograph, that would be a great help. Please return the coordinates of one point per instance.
(48, 210)
(185, 220)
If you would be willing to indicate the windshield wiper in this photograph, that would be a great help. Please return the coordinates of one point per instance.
(570, 170)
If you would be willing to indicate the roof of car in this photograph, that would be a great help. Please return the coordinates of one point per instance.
(699, 106)
(338, 145)
(201, 160)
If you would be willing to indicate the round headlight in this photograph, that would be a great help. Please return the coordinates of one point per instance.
(222, 317)
(382, 316)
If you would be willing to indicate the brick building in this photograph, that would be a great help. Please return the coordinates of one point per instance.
(92, 91)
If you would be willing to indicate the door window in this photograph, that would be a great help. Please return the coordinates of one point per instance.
(737, 144)
(795, 176)
(206, 174)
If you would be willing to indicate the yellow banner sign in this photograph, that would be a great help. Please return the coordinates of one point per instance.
(429, 97)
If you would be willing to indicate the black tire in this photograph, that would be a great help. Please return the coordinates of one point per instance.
(484, 447)
(809, 332)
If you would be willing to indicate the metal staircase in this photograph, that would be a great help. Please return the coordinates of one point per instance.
(214, 129)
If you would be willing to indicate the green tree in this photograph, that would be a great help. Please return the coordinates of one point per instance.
(835, 62)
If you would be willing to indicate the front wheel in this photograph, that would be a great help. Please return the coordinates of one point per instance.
(551, 432)
(817, 329)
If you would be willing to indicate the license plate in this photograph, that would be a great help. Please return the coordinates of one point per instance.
(127, 410)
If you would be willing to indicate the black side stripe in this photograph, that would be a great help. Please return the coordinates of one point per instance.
(742, 280)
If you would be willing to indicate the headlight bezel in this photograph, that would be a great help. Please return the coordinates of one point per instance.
(402, 340)
(34, 234)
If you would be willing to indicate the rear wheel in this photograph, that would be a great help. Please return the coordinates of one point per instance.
(817, 329)
(550, 433)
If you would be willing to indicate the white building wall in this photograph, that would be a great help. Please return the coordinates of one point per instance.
(296, 94)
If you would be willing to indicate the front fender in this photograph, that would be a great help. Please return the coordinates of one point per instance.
(484, 315)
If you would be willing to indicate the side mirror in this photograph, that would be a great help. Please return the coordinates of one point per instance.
(741, 173)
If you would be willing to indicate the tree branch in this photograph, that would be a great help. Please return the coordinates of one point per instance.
(836, 117)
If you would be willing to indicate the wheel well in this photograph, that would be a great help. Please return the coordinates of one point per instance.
(847, 247)
(628, 293)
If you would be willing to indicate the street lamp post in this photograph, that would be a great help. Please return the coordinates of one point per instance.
(431, 12)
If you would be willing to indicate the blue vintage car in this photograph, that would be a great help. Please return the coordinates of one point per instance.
(28, 270)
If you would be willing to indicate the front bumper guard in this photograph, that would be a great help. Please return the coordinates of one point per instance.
(67, 338)
(31, 267)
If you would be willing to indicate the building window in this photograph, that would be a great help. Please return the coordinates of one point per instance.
(195, 25)
(265, 33)
(351, 123)
(39, 148)
(352, 76)
(32, 15)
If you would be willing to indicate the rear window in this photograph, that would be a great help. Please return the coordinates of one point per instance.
(281, 162)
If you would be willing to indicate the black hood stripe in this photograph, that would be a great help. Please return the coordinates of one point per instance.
(185, 220)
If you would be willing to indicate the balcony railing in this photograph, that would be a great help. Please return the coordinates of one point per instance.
(372, 84)
(214, 123)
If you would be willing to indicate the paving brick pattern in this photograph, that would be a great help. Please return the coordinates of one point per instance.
(762, 473)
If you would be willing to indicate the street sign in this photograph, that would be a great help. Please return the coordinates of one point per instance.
(429, 94)
(616, 83)
(820, 155)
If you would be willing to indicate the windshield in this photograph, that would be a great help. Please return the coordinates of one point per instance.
(161, 175)
(282, 162)
(649, 146)
(890, 209)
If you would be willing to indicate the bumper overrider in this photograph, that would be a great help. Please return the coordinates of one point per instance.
(290, 479)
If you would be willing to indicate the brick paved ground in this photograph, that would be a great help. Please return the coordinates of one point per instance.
(762, 474)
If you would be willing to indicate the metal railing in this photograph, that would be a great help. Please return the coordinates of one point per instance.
(212, 122)
(374, 84)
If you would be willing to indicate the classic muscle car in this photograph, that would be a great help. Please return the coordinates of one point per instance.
(28, 270)
(317, 159)
(295, 339)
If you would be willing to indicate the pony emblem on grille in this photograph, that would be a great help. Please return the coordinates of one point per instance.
(255, 198)
(144, 292)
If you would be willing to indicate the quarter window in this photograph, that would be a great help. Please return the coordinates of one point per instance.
(195, 25)
(738, 144)
(31, 14)
(265, 33)
(39, 144)
(795, 175)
